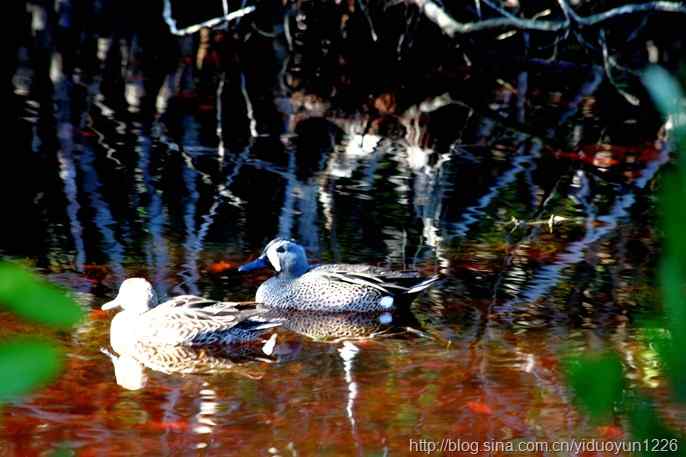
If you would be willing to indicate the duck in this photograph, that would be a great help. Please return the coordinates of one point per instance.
(331, 287)
(185, 320)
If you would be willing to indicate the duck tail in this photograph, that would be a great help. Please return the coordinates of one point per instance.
(414, 290)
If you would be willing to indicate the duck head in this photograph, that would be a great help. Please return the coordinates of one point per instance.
(284, 256)
(135, 295)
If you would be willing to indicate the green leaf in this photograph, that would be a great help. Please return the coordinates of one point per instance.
(35, 299)
(674, 298)
(674, 217)
(669, 98)
(648, 429)
(597, 381)
(63, 450)
(27, 364)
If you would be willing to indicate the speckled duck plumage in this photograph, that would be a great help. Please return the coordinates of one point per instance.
(331, 287)
(130, 367)
(184, 320)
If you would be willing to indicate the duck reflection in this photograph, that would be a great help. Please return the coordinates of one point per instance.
(339, 327)
(130, 367)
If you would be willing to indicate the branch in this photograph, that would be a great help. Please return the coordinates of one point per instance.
(451, 27)
(660, 7)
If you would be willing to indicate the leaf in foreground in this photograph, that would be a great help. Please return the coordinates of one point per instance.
(597, 381)
(27, 364)
(35, 299)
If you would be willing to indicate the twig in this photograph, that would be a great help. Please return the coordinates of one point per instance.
(550, 222)
(502, 11)
(608, 63)
(368, 18)
(167, 14)
(570, 14)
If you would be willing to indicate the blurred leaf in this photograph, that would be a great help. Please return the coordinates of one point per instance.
(669, 98)
(27, 364)
(597, 381)
(664, 89)
(671, 351)
(34, 299)
(674, 218)
(646, 425)
(63, 450)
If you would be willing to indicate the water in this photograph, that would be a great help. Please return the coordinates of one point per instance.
(483, 361)
(534, 196)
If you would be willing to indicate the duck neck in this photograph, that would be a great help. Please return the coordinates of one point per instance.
(293, 270)
(122, 331)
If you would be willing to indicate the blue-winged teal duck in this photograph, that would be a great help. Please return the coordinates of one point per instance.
(183, 320)
(331, 287)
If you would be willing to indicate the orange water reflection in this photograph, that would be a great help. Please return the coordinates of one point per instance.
(361, 397)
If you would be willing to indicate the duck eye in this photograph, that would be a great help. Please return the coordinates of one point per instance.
(280, 249)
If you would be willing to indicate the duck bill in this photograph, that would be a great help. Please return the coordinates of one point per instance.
(110, 305)
(257, 264)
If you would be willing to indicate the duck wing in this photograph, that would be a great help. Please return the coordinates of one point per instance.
(404, 279)
(188, 319)
(350, 268)
(187, 301)
(390, 283)
(365, 280)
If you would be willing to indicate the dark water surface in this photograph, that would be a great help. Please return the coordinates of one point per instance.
(533, 195)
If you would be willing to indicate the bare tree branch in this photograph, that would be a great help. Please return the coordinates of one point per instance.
(452, 27)
(659, 7)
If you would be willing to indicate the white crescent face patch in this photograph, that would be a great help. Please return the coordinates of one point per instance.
(273, 257)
